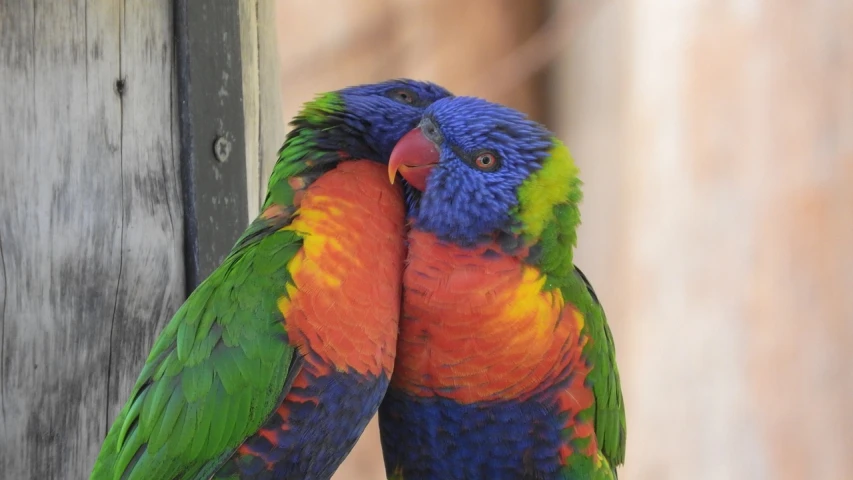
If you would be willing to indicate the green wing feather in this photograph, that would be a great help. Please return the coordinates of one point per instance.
(609, 410)
(215, 373)
(301, 154)
(548, 215)
(609, 414)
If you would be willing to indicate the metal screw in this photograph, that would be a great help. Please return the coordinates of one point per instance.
(222, 148)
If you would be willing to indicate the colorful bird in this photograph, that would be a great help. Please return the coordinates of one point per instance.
(276, 362)
(505, 363)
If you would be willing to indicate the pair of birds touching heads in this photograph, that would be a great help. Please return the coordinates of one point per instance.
(448, 302)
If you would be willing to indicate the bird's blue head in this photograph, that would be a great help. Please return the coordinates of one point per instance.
(376, 116)
(483, 169)
(361, 122)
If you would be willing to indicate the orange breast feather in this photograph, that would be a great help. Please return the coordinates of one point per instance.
(479, 327)
(344, 302)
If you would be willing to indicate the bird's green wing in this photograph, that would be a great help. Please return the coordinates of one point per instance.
(609, 419)
(548, 212)
(215, 373)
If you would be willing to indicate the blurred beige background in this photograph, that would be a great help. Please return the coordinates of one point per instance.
(716, 144)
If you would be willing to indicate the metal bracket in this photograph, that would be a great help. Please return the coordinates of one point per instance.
(213, 151)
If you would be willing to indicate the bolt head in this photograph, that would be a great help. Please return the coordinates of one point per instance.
(221, 148)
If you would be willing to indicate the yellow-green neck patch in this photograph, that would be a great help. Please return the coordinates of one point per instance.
(555, 183)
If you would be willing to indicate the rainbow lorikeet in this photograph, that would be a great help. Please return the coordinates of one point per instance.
(505, 363)
(276, 362)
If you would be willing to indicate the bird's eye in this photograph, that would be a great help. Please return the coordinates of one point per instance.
(486, 161)
(403, 95)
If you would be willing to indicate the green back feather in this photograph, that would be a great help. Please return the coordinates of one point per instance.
(548, 214)
(214, 374)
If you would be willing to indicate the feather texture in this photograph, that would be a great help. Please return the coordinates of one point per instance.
(269, 370)
(506, 366)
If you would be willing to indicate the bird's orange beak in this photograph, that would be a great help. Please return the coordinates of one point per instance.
(414, 156)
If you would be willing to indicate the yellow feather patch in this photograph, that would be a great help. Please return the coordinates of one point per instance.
(319, 228)
(331, 206)
(291, 290)
(546, 188)
(579, 319)
(283, 305)
(528, 298)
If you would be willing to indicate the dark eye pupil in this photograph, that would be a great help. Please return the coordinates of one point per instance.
(405, 97)
(486, 160)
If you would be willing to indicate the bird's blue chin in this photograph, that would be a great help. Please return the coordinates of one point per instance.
(461, 224)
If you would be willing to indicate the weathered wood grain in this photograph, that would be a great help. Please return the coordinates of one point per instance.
(261, 94)
(60, 235)
(90, 225)
(251, 101)
(151, 287)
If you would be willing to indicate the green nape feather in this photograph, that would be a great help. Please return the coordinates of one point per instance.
(548, 211)
(549, 215)
(299, 152)
(215, 373)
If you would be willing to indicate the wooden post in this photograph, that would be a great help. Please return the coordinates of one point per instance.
(261, 95)
(91, 212)
(91, 223)
(213, 141)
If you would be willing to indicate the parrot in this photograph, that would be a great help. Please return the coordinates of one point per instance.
(276, 362)
(505, 362)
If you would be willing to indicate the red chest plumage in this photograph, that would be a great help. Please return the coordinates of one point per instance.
(478, 326)
(344, 304)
